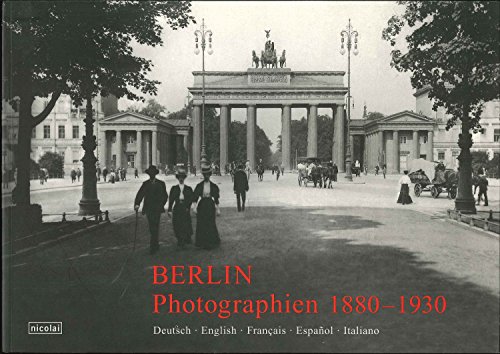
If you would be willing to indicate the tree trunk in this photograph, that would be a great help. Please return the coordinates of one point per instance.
(465, 201)
(22, 190)
(89, 204)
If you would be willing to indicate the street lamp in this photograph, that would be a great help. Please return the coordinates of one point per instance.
(348, 35)
(201, 36)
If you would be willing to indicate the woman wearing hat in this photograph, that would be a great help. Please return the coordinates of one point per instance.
(207, 235)
(179, 204)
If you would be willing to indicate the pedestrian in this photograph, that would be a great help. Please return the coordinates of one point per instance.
(277, 173)
(124, 174)
(112, 176)
(240, 187)
(207, 235)
(98, 172)
(483, 189)
(179, 209)
(42, 176)
(366, 169)
(404, 193)
(335, 172)
(282, 169)
(136, 173)
(155, 196)
(384, 169)
(104, 173)
(357, 166)
(376, 170)
(78, 174)
(194, 170)
(248, 169)
(73, 175)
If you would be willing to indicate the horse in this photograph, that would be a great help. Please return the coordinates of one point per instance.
(255, 59)
(316, 176)
(260, 172)
(283, 59)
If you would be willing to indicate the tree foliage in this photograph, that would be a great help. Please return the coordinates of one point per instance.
(299, 138)
(374, 115)
(454, 50)
(154, 109)
(81, 48)
(54, 163)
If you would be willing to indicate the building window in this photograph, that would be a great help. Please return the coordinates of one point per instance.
(130, 139)
(113, 138)
(33, 133)
(423, 139)
(402, 139)
(61, 133)
(76, 132)
(440, 155)
(46, 131)
(496, 135)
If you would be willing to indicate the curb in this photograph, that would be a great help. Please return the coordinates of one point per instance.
(72, 235)
(472, 228)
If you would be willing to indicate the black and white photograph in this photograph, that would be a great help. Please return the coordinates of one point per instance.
(250, 176)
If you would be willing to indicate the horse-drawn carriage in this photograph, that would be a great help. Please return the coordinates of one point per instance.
(433, 177)
(315, 175)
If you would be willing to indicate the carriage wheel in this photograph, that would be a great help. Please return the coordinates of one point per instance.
(418, 190)
(435, 192)
(452, 192)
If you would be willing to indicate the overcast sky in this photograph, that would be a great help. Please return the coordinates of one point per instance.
(310, 34)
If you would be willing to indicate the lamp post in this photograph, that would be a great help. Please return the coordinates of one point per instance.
(201, 36)
(348, 35)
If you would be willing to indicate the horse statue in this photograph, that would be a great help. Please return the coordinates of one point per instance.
(283, 59)
(255, 59)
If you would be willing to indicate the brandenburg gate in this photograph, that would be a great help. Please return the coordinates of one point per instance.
(271, 88)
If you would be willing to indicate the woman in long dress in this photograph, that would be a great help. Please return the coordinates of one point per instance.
(179, 208)
(207, 235)
(404, 193)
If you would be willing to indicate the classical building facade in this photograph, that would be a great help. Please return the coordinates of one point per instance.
(271, 88)
(396, 139)
(132, 140)
(124, 139)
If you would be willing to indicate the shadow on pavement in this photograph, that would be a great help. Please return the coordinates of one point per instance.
(72, 282)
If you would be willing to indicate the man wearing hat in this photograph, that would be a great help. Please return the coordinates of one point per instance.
(155, 196)
(179, 205)
(240, 187)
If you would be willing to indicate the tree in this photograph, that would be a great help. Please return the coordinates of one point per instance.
(453, 50)
(299, 137)
(82, 49)
(54, 163)
(374, 115)
(154, 109)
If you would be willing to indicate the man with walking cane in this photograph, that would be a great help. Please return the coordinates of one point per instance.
(154, 193)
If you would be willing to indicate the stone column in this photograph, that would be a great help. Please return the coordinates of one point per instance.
(148, 149)
(416, 153)
(138, 155)
(104, 146)
(430, 145)
(395, 138)
(154, 147)
(338, 133)
(251, 121)
(286, 139)
(381, 148)
(197, 136)
(224, 136)
(119, 145)
(312, 131)
(185, 144)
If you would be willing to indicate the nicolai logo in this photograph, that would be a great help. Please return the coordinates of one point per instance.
(44, 327)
